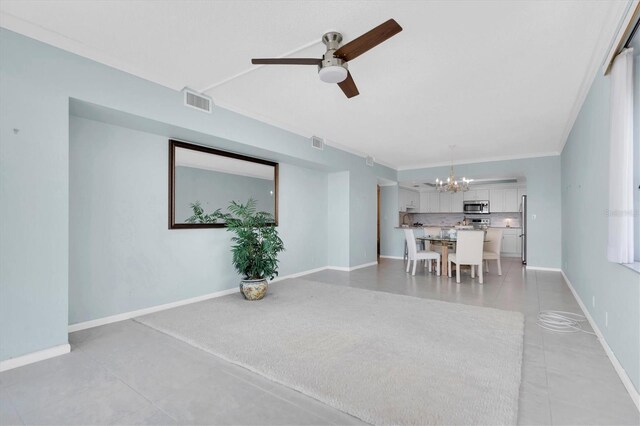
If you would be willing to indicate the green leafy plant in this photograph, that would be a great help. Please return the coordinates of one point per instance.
(256, 241)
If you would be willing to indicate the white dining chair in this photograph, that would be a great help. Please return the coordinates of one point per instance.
(469, 246)
(415, 254)
(492, 248)
(432, 231)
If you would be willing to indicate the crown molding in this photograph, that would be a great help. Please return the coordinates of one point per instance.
(606, 38)
(479, 160)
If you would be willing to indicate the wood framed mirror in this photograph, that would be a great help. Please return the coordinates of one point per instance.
(203, 179)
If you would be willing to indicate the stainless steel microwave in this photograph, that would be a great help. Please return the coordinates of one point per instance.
(476, 207)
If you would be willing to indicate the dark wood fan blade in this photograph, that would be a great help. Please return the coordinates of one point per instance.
(349, 87)
(368, 40)
(287, 61)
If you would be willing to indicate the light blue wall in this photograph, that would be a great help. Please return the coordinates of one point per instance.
(585, 171)
(216, 190)
(34, 210)
(363, 229)
(338, 219)
(123, 257)
(37, 82)
(542, 176)
(391, 240)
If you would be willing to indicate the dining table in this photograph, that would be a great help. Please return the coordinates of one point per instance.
(445, 243)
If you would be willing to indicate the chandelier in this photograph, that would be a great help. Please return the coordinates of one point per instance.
(452, 184)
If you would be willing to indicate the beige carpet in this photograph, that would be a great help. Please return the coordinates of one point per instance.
(384, 358)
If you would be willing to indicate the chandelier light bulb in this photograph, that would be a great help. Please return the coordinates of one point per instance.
(452, 184)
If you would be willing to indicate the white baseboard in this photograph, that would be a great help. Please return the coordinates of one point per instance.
(635, 396)
(34, 357)
(351, 268)
(298, 274)
(132, 314)
(541, 268)
(364, 265)
(392, 257)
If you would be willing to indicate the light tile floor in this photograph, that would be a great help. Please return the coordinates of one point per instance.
(127, 373)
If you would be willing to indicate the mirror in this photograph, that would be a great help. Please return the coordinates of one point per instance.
(203, 180)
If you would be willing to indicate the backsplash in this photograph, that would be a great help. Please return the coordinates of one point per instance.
(451, 219)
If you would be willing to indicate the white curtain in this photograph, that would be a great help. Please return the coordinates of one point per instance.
(620, 244)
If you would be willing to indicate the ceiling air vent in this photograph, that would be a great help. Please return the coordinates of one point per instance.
(370, 161)
(196, 100)
(317, 143)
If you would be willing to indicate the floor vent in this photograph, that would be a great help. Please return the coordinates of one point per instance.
(196, 100)
(317, 143)
(370, 161)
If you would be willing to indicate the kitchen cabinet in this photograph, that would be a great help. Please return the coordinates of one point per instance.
(408, 200)
(402, 199)
(511, 200)
(496, 200)
(424, 202)
(414, 200)
(457, 204)
(451, 202)
(501, 200)
(476, 194)
(511, 246)
(429, 202)
(434, 202)
(445, 202)
(504, 200)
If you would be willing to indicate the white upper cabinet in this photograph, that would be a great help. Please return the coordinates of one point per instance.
(511, 200)
(408, 200)
(445, 202)
(424, 202)
(404, 199)
(457, 205)
(414, 200)
(476, 194)
(505, 200)
(496, 200)
(434, 202)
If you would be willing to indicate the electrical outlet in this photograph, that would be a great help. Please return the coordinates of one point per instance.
(606, 319)
(593, 301)
(533, 216)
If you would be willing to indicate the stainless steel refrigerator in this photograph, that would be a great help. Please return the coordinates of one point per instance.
(523, 223)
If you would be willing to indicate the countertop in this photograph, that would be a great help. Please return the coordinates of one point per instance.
(451, 226)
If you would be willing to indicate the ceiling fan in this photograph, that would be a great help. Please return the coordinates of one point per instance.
(332, 67)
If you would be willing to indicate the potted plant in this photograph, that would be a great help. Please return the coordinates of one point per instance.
(256, 244)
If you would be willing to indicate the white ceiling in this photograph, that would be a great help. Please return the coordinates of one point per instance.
(496, 79)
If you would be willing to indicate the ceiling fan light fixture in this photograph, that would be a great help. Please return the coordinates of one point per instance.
(333, 74)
